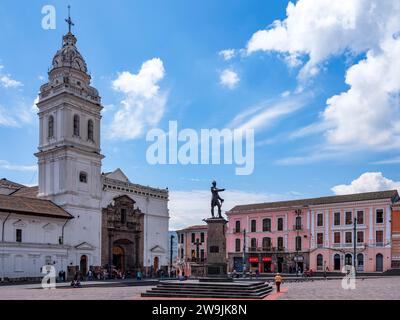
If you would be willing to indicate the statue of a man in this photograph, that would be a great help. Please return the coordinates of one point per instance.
(216, 200)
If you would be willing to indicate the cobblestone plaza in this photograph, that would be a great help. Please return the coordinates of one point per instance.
(384, 288)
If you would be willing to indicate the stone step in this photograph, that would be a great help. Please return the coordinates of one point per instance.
(255, 290)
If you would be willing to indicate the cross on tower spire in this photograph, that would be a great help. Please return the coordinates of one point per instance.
(69, 20)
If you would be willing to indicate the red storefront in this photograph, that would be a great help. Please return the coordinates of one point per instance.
(263, 264)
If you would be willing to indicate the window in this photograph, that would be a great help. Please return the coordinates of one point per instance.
(280, 243)
(360, 217)
(320, 261)
(266, 224)
(253, 243)
(202, 237)
(123, 215)
(237, 245)
(50, 129)
(193, 254)
(298, 223)
(360, 262)
(181, 237)
(253, 225)
(379, 216)
(379, 237)
(182, 253)
(266, 243)
(280, 224)
(320, 239)
(360, 236)
(298, 243)
(320, 219)
(348, 237)
(90, 130)
(336, 237)
(83, 177)
(202, 254)
(76, 125)
(336, 262)
(348, 217)
(193, 238)
(237, 226)
(336, 220)
(18, 235)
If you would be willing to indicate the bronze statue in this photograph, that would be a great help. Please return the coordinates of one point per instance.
(216, 200)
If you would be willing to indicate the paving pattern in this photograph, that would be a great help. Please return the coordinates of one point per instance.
(378, 288)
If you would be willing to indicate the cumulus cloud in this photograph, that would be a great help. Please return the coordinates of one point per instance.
(229, 78)
(191, 207)
(227, 54)
(7, 81)
(367, 182)
(143, 104)
(366, 115)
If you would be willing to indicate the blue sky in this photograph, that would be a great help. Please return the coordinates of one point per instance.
(309, 149)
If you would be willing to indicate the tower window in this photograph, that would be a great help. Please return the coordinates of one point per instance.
(76, 125)
(90, 130)
(18, 235)
(50, 132)
(83, 177)
(123, 215)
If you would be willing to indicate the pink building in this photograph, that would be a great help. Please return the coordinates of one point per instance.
(192, 249)
(313, 233)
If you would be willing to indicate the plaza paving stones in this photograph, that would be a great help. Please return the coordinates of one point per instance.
(385, 288)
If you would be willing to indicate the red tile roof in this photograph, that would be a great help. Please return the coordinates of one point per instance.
(10, 184)
(28, 192)
(31, 206)
(195, 227)
(390, 194)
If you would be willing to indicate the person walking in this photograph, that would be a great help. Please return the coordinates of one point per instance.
(278, 280)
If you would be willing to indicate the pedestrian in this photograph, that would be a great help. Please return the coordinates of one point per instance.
(278, 281)
(257, 273)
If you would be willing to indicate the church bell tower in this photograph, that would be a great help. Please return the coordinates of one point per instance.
(69, 155)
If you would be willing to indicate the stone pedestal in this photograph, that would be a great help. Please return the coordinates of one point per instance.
(216, 265)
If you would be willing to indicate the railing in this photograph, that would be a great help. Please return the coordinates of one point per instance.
(235, 230)
(297, 227)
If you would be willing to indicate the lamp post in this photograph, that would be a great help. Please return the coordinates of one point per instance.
(171, 253)
(298, 214)
(244, 252)
(355, 247)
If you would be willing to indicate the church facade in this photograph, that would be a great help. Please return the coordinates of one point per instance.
(78, 217)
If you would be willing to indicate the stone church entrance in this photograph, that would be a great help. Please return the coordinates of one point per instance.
(118, 258)
(122, 237)
(83, 265)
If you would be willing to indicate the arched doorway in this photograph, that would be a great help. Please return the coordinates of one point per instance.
(348, 259)
(83, 265)
(379, 262)
(118, 255)
(155, 264)
(320, 261)
(336, 262)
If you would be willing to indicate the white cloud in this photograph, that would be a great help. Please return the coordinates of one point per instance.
(367, 182)
(7, 82)
(191, 207)
(16, 167)
(366, 115)
(266, 114)
(227, 54)
(229, 78)
(143, 104)
(5, 119)
(322, 28)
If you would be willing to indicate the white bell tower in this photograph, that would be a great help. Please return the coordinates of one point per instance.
(69, 155)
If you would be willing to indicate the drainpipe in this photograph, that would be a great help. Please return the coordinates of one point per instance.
(2, 240)
(62, 231)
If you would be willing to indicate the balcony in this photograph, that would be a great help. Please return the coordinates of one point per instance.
(265, 249)
(298, 227)
(235, 230)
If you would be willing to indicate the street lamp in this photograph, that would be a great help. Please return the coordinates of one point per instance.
(244, 252)
(171, 249)
(355, 247)
(298, 214)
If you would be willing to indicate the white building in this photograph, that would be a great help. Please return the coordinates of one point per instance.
(59, 222)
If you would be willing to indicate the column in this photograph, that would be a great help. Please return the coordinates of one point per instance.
(285, 242)
(286, 221)
(308, 219)
(371, 226)
(326, 222)
(312, 229)
(388, 226)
